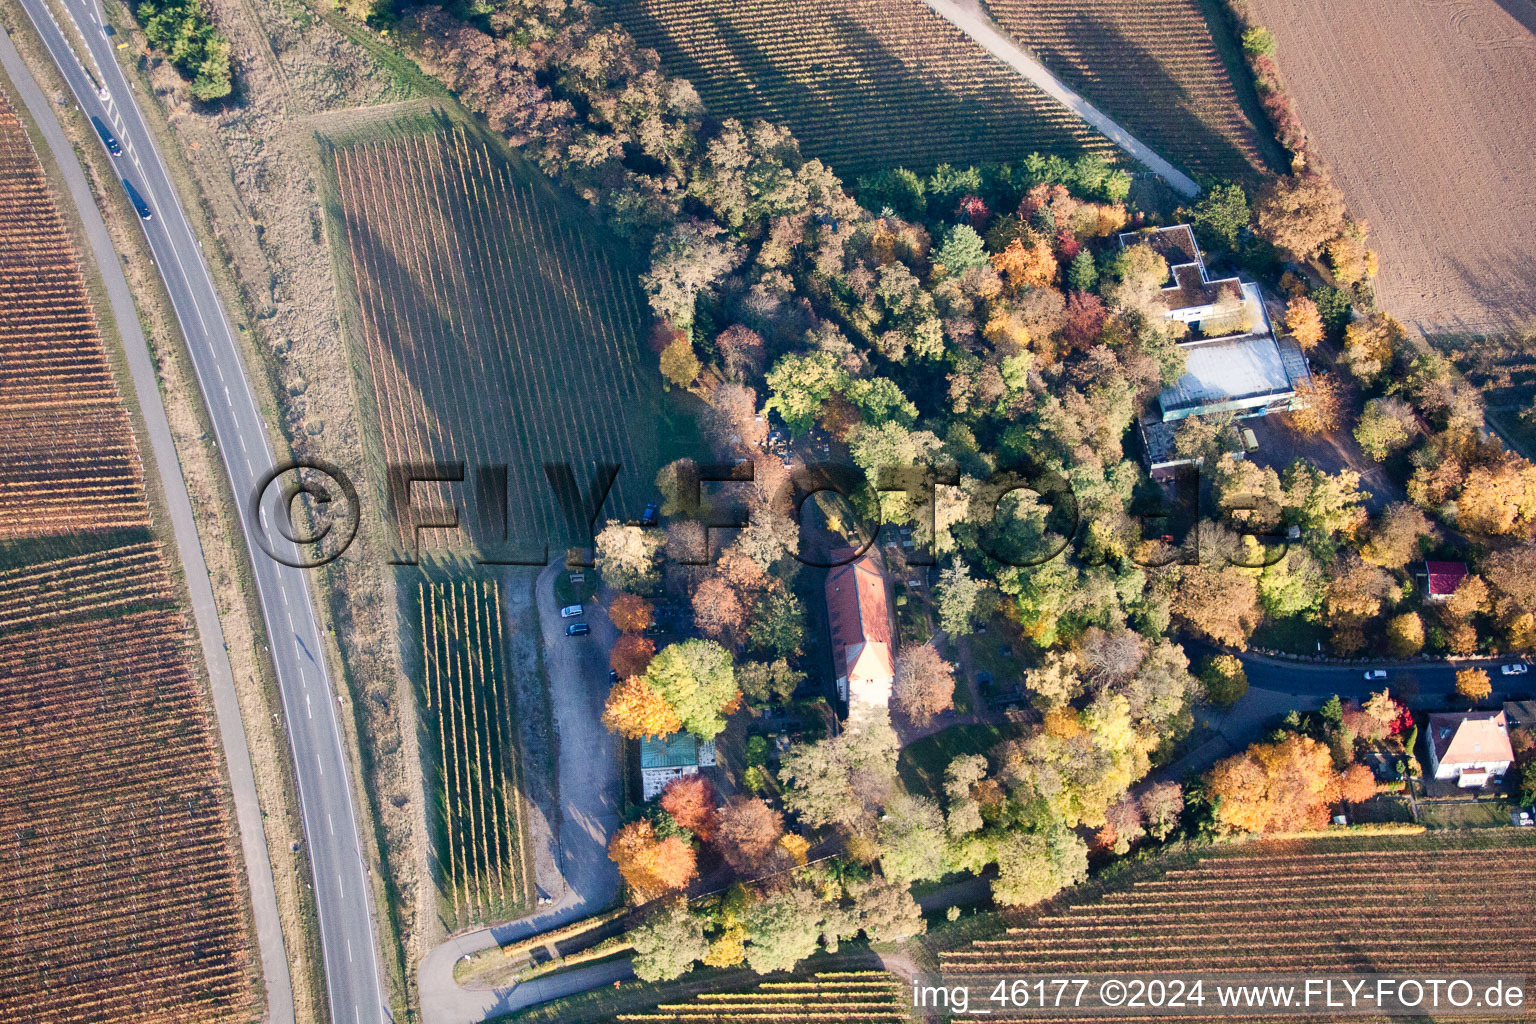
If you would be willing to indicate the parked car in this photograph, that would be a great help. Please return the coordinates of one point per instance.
(107, 137)
(1250, 440)
(1371, 675)
(613, 675)
(570, 611)
(577, 629)
(1519, 668)
(651, 516)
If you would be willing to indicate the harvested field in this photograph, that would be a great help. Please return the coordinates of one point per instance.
(493, 324)
(864, 84)
(1423, 110)
(1443, 903)
(68, 461)
(1150, 64)
(467, 707)
(844, 997)
(117, 883)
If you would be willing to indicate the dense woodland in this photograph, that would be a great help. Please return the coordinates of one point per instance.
(984, 319)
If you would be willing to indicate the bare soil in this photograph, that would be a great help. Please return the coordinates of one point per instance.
(1422, 108)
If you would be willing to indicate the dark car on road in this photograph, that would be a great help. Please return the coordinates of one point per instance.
(578, 629)
(107, 137)
(651, 516)
(137, 200)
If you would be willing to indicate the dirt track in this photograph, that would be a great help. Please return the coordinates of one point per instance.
(1423, 110)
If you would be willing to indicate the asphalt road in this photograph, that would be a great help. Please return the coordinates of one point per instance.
(343, 891)
(205, 613)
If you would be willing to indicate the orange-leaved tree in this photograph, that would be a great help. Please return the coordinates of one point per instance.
(1275, 787)
(630, 655)
(636, 711)
(1473, 684)
(630, 613)
(691, 802)
(651, 866)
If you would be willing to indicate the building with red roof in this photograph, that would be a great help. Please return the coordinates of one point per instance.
(1442, 579)
(1472, 748)
(859, 617)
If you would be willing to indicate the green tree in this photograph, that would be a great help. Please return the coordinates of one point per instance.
(1385, 428)
(668, 942)
(913, 843)
(696, 679)
(957, 595)
(884, 911)
(783, 929)
(841, 779)
(1222, 213)
(1259, 42)
(961, 250)
(897, 189)
(1083, 273)
(800, 384)
(1034, 866)
(776, 625)
(764, 681)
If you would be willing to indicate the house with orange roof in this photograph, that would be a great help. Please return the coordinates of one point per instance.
(1472, 748)
(863, 628)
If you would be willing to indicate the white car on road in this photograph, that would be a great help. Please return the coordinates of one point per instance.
(570, 611)
(1374, 674)
(1519, 668)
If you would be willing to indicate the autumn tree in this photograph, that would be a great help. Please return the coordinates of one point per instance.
(747, 832)
(1395, 540)
(1319, 405)
(630, 655)
(630, 613)
(1473, 684)
(651, 866)
(1299, 213)
(1162, 805)
(1385, 428)
(1123, 825)
(636, 711)
(1405, 635)
(1499, 499)
(1357, 784)
(925, 684)
(667, 942)
(1304, 323)
(697, 681)
(1370, 344)
(742, 352)
(690, 800)
(717, 611)
(679, 363)
(686, 259)
(1220, 604)
(1275, 787)
(628, 557)
(1225, 680)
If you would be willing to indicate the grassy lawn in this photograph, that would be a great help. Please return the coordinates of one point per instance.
(923, 761)
(1465, 814)
(1293, 634)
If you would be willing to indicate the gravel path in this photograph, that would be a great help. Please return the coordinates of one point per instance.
(968, 18)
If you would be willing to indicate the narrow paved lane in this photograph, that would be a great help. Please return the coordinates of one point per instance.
(343, 890)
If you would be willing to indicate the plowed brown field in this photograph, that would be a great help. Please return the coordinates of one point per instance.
(1423, 108)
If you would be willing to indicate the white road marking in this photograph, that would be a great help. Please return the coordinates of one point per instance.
(319, 767)
(331, 823)
(307, 709)
(349, 941)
